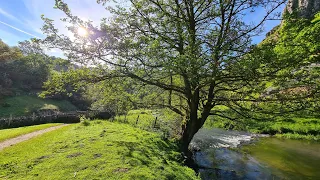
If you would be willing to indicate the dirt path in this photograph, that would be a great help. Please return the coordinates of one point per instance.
(26, 137)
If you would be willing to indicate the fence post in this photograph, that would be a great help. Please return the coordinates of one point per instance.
(10, 119)
(33, 116)
(137, 120)
(155, 122)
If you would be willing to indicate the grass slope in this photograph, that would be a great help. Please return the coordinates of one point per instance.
(14, 132)
(167, 121)
(291, 127)
(24, 105)
(102, 150)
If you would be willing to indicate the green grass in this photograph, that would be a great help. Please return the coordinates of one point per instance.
(299, 136)
(25, 105)
(167, 121)
(145, 120)
(14, 132)
(290, 127)
(101, 150)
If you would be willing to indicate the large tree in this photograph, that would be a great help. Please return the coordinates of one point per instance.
(198, 51)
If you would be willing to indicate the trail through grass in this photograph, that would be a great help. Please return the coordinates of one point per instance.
(14, 132)
(101, 150)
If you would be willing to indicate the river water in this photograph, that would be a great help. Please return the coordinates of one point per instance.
(240, 155)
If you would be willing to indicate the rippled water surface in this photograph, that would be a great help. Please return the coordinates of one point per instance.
(291, 159)
(220, 156)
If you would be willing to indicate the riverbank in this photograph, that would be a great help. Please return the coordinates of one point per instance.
(241, 155)
(288, 127)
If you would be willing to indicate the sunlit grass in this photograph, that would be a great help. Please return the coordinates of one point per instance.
(291, 127)
(25, 105)
(14, 132)
(163, 120)
(101, 150)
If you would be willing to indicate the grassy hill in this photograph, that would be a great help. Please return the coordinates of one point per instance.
(25, 105)
(100, 150)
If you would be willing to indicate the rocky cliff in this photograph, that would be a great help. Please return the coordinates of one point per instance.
(303, 8)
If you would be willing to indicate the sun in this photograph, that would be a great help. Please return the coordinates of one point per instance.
(82, 31)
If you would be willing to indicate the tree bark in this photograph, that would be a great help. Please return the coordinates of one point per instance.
(192, 126)
(189, 129)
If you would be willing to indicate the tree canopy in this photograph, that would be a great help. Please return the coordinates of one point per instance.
(198, 53)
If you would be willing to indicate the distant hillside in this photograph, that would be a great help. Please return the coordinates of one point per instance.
(26, 105)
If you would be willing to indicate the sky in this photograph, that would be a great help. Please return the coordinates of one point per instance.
(21, 19)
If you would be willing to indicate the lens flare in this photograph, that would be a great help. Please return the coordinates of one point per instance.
(82, 31)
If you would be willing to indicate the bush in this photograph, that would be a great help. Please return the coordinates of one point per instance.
(84, 120)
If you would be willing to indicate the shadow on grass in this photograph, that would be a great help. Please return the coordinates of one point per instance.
(159, 155)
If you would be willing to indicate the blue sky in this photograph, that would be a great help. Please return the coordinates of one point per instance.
(20, 19)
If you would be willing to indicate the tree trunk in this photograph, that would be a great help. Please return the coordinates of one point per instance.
(189, 130)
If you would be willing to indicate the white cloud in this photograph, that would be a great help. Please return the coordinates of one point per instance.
(8, 15)
(20, 30)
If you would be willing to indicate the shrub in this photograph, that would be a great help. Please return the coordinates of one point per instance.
(84, 120)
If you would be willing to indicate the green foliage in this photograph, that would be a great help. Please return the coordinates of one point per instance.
(99, 151)
(169, 55)
(298, 42)
(144, 121)
(299, 136)
(26, 105)
(163, 120)
(28, 72)
(84, 120)
(14, 132)
(22, 72)
(172, 55)
(23, 69)
(8, 53)
(114, 95)
(291, 51)
(31, 47)
(316, 18)
(293, 126)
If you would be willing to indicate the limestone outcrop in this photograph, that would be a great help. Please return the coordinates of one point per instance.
(303, 8)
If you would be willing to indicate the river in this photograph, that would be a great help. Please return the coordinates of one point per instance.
(228, 155)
